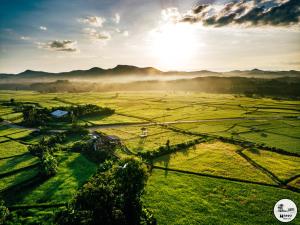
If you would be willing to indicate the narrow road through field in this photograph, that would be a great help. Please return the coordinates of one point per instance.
(104, 126)
(12, 125)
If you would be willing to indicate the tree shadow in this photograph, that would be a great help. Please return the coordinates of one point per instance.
(42, 196)
(12, 163)
(254, 151)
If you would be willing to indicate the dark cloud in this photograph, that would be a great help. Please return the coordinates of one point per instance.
(247, 12)
(198, 9)
(65, 45)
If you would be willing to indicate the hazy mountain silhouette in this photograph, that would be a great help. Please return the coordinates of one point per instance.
(129, 70)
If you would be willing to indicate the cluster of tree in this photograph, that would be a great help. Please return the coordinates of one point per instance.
(111, 197)
(87, 148)
(284, 86)
(167, 149)
(4, 212)
(33, 116)
(44, 150)
(86, 110)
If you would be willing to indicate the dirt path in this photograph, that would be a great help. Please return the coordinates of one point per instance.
(104, 126)
(12, 125)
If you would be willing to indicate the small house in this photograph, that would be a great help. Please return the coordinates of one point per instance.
(59, 113)
(104, 142)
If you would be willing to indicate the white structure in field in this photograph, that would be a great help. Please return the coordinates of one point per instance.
(144, 132)
(59, 113)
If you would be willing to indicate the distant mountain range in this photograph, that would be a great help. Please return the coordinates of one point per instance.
(150, 72)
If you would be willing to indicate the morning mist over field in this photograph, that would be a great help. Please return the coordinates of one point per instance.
(138, 112)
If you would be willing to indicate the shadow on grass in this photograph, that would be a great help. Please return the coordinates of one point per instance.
(72, 174)
(12, 163)
(165, 159)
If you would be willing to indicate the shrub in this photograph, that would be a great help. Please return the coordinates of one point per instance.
(4, 212)
(76, 129)
(48, 165)
(167, 149)
(112, 196)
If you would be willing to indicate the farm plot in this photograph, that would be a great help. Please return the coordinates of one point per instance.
(273, 140)
(153, 142)
(284, 167)
(11, 148)
(19, 162)
(182, 199)
(157, 136)
(4, 110)
(112, 119)
(295, 183)
(15, 179)
(213, 127)
(74, 169)
(216, 158)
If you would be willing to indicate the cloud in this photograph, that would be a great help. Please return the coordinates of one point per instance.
(64, 45)
(96, 35)
(171, 15)
(123, 32)
(126, 33)
(246, 12)
(117, 18)
(25, 38)
(95, 21)
(43, 28)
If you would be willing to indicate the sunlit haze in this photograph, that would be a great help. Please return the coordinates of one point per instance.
(60, 36)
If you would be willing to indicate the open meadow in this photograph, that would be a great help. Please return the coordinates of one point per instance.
(214, 158)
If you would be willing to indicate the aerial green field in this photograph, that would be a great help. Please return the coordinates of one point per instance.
(181, 199)
(218, 181)
(214, 158)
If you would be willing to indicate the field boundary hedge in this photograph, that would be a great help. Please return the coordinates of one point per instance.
(41, 205)
(12, 156)
(9, 173)
(228, 178)
(164, 150)
(22, 185)
(259, 167)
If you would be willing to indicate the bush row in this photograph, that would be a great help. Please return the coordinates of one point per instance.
(44, 150)
(167, 149)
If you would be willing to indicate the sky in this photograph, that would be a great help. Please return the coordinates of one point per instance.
(224, 35)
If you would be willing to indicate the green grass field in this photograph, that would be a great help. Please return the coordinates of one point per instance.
(15, 179)
(181, 199)
(282, 166)
(74, 169)
(11, 148)
(18, 162)
(175, 198)
(214, 158)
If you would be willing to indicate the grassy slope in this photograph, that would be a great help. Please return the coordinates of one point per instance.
(181, 199)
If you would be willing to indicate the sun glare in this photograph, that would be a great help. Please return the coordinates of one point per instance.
(174, 45)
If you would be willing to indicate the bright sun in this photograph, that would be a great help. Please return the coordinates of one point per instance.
(174, 45)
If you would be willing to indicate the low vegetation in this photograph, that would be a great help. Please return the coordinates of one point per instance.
(199, 157)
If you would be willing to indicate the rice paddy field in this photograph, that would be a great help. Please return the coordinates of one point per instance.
(218, 181)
